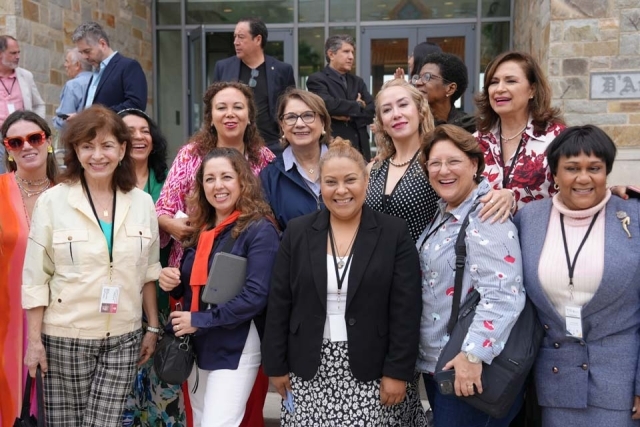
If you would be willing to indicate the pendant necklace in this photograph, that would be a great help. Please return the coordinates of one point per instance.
(334, 248)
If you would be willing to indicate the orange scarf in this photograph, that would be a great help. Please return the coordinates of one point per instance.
(200, 269)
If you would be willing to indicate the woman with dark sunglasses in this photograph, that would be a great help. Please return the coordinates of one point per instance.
(32, 170)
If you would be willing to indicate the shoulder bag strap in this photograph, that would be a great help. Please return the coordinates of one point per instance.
(461, 258)
(40, 397)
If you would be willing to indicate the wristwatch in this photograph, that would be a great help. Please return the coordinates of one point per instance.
(154, 330)
(472, 358)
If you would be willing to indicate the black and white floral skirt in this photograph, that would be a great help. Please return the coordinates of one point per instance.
(335, 398)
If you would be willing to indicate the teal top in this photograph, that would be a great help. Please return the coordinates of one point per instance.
(106, 230)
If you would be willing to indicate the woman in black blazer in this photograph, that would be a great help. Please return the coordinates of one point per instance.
(344, 308)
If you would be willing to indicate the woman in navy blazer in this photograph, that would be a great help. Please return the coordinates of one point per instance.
(343, 347)
(226, 203)
(587, 370)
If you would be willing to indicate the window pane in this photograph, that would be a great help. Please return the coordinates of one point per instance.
(311, 11)
(342, 10)
(310, 53)
(170, 116)
(494, 8)
(494, 40)
(225, 12)
(376, 10)
(168, 12)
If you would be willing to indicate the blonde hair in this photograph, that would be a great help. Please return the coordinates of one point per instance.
(385, 145)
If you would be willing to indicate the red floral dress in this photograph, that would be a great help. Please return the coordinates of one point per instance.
(530, 178)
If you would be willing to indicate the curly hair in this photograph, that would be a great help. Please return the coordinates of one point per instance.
(86, 126)
(206, 139)
(452, 69)
(386, 147)
(251, 203)
(30, 116)
(539, 106)
(157, 159)
(315, 104)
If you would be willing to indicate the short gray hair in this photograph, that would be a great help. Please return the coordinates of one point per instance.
(334, 43)
(77, 58)
(91, 32)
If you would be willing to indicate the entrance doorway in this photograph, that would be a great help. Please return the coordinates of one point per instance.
(208, 46)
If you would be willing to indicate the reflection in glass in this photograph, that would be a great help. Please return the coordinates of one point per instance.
(311, 11)
(310, 53)
(386, 56)
(495, 8)
(342, 10)
(170, 116)
(225, 12)
(168, 12)
(383, 10)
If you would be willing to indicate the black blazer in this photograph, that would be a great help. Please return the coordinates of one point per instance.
(383, 299)
(122, 85)
(342, 102)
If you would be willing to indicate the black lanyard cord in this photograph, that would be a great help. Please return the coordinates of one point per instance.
(95, 213)
(334, 251)
(572, 265)
(506, 177)
(5, 87)
(422, 240)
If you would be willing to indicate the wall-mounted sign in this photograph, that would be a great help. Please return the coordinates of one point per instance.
(615, 85)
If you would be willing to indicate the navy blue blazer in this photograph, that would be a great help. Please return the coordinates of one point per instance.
(602, 369)
(342, 102)
(122, 85)
(223, 329)
(287, 193)
(383, 303)
(279, 77)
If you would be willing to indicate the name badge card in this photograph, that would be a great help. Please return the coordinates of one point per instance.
(11, 107)
(573, 319)
(109, 299)
(337, 327)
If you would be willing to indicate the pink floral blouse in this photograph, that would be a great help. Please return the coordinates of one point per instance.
(531, 178)
(179, 184)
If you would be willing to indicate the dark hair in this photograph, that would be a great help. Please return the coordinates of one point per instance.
(334, 43)
(86, 126)
(206, 139)
(462, 139)
(157, 159)
(251, 203)
(420, 51)
(4, 42)
(91, 32)
(30, 116)
(539, 106)
(257, 28)
(576, 140)
(452, 69)
(315, 104)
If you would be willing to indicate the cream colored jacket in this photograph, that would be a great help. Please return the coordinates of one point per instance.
(67, 262)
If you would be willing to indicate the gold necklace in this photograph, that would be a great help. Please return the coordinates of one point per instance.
(105, 212)
(36, 192)
(516, 135)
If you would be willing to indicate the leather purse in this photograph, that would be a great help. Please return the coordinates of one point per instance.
(505, 377)
(174, 358)
(26, 419)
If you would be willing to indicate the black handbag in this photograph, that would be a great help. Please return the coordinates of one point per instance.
(508, 372)
(26, 419)
(174, 358)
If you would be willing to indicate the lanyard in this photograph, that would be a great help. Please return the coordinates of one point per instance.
(572, 265)
(334, 251)
(506, 176)
(5, 87)
(430, 230)
(93, 208)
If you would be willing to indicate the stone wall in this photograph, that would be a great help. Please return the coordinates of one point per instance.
(531, 28)
(43, 29)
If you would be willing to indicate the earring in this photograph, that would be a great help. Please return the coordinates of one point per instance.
(248, 122)
(324, 132)
(50, 149)
(10, 158)
(475, 175)
(555, 187)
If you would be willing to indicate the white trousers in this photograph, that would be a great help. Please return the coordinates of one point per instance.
(222, 395)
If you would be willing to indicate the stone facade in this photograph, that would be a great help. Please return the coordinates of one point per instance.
(43, 29)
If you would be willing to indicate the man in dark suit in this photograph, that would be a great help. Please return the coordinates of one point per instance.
(118, 82)
(348, 101)
(267, 77)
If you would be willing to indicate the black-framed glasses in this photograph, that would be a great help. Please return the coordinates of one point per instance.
(426, 77)
(290, 119)
(35, 139)
(252, 81)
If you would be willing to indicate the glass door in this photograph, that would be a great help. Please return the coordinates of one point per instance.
(197, 73)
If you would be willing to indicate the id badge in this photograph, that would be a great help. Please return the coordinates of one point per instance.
(337, 328)
(109, 299)
(573, 321)
(11, 107)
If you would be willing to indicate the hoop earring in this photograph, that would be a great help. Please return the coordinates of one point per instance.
(556, 187)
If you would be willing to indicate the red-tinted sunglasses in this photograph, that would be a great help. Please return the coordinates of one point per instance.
(34, 139)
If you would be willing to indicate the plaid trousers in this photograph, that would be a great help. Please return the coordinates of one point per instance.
(88, 379)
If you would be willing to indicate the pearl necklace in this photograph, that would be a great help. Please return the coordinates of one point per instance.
(516, 135)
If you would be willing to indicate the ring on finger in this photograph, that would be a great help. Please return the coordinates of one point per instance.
(491, 201)
(470, 386)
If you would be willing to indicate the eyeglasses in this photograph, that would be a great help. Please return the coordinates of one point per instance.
(34, 139)
(252, 81)
(291, 119)
(426, 77)
(454, 163)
